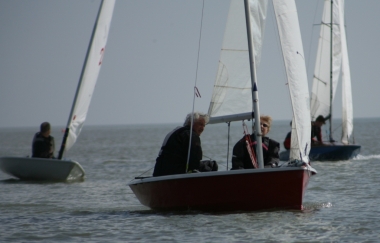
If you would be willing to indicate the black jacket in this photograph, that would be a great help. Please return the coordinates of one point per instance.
(43, 147)
(172, 157)
(242, 160)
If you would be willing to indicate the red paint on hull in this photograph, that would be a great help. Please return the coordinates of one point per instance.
(225, 191)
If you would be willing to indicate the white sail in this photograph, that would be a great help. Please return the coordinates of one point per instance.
(90, 71)
(347, 109)
(232, 95)
(321, 95)
(292, 49)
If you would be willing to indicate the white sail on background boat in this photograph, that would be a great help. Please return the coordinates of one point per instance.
(331, 62)
(332, 55)
(234, 95)
(57, 169)
(323, 89)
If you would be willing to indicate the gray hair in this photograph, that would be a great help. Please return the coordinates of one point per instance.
(196, 116)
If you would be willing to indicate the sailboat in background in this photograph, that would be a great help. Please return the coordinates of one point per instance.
(331, 61)
(57, 169)
(235, 99)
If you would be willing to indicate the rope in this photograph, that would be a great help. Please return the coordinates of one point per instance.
(199, 48)
(140, 176)
(196, 91)
(249, 145)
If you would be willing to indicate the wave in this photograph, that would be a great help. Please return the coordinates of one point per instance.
(312, 206)
(367, 157)
(122, 161)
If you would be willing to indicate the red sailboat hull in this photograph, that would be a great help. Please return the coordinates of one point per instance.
(281, 188)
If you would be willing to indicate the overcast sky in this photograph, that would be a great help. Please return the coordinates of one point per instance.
(150, 63)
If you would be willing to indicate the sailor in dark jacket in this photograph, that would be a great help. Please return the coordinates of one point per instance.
(43, 145)
(172, 158)
(271, 148)
(316, 131)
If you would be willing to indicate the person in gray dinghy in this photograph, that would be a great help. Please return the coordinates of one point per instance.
(43, 144)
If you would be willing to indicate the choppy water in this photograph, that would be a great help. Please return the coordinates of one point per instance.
(341, 202)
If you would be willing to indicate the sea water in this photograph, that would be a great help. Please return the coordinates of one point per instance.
(341, 202)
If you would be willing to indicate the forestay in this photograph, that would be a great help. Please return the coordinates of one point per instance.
(90, 72)
(232, 94)
(292, 49)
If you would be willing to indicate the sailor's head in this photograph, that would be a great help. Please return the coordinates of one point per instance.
(45, 129)
(321, 120)
(265, 124)
(199, 121)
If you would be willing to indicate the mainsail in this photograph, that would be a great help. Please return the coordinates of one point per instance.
(232, 95)
(90, 72)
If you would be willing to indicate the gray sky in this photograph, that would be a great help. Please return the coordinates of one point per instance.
(149, 68)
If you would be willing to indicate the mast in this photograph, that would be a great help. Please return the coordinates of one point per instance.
(331, 68)
(255, 95)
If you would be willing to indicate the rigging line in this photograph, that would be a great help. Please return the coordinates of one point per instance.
(199, 44)
(338, 127)
(195, 91)
(145, 172)
(207, 157)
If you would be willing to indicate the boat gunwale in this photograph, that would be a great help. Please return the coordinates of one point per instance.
(136, 181)
(42, 159)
